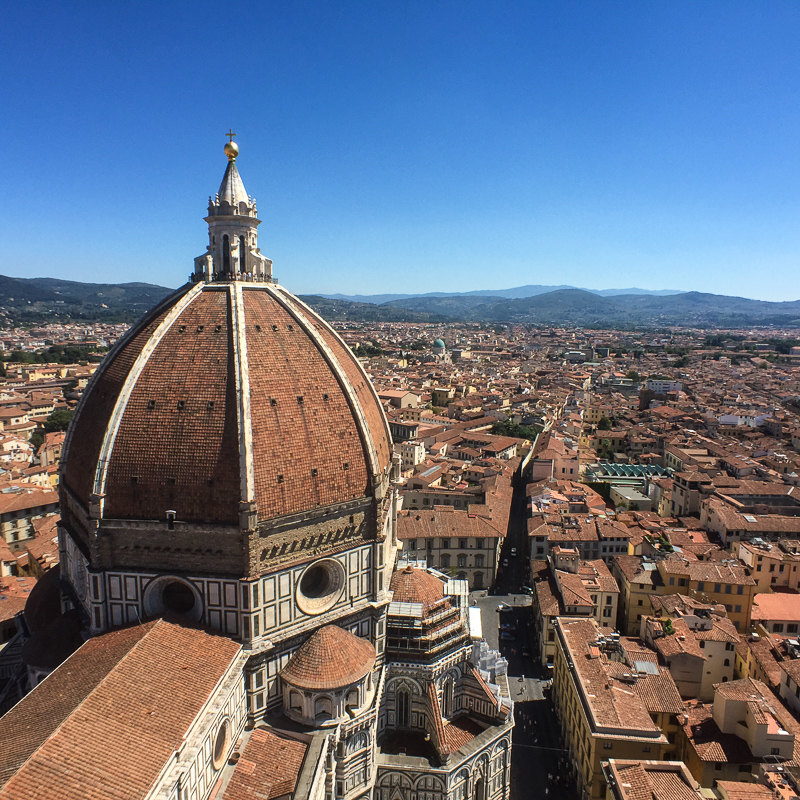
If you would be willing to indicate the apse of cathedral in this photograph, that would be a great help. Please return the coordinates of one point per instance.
(230, 619)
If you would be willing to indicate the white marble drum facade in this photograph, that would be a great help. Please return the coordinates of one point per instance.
(229, 618)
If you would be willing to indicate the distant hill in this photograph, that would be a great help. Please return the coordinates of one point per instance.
(579, 307)
(344, 310)
(530, 290)
(38, 299)
(32, 301)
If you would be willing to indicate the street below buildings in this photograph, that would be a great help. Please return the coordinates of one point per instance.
(539, 764)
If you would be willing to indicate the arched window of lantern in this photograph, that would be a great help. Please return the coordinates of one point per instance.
(226, 254)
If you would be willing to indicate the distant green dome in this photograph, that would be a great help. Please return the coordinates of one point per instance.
(439, 343)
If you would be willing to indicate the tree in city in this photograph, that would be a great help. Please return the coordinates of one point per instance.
(58, 421)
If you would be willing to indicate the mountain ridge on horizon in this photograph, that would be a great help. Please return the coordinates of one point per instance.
(528, 290)
(36, 300)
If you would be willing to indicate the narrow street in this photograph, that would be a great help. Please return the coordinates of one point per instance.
(538, 759)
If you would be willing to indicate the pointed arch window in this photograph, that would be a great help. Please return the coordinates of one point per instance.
(242, 259)
(403, 708)
(447, 698)
(226, 253)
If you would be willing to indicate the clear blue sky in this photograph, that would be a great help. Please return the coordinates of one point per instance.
(409, 146)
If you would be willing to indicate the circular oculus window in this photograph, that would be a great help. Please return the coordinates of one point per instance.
(221, 743)
(171, 594)
(321, 586)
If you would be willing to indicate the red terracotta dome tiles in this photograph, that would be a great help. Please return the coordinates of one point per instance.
(177, 446)
(331, 658)
(411, 585)
(87, 437)
(306, 447)
(372, 410)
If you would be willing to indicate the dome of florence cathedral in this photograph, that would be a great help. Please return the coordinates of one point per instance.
(227, 543)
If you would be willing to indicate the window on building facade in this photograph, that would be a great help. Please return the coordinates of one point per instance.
(403, 708)
(445, 544)
(462, 560)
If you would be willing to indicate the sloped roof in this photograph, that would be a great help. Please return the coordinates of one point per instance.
(109, 718)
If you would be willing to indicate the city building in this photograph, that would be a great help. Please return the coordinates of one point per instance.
(609, 705)
(566, 586)
(745, 726)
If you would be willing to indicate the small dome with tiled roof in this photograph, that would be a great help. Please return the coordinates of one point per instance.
(331, 658)
(416, 586)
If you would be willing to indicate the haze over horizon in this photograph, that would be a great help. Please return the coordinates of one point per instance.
(413, 147)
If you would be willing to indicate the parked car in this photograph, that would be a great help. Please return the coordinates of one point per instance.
(508, 636)
(526, 652)
(513, 551)
(503, 607)
(505, 562)
(527, 590)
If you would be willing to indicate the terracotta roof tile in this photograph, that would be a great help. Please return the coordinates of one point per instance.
(416, 586)
(177, 446)
(331, 658)
(155, 678)
(268, 767)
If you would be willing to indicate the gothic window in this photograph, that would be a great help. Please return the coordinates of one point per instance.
(403, 709)
(447, 698)
(242, 260)
(226, 254)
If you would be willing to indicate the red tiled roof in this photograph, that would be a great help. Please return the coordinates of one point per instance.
(330, 658)
(269, 767)
(107, 720)
(416, 586)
